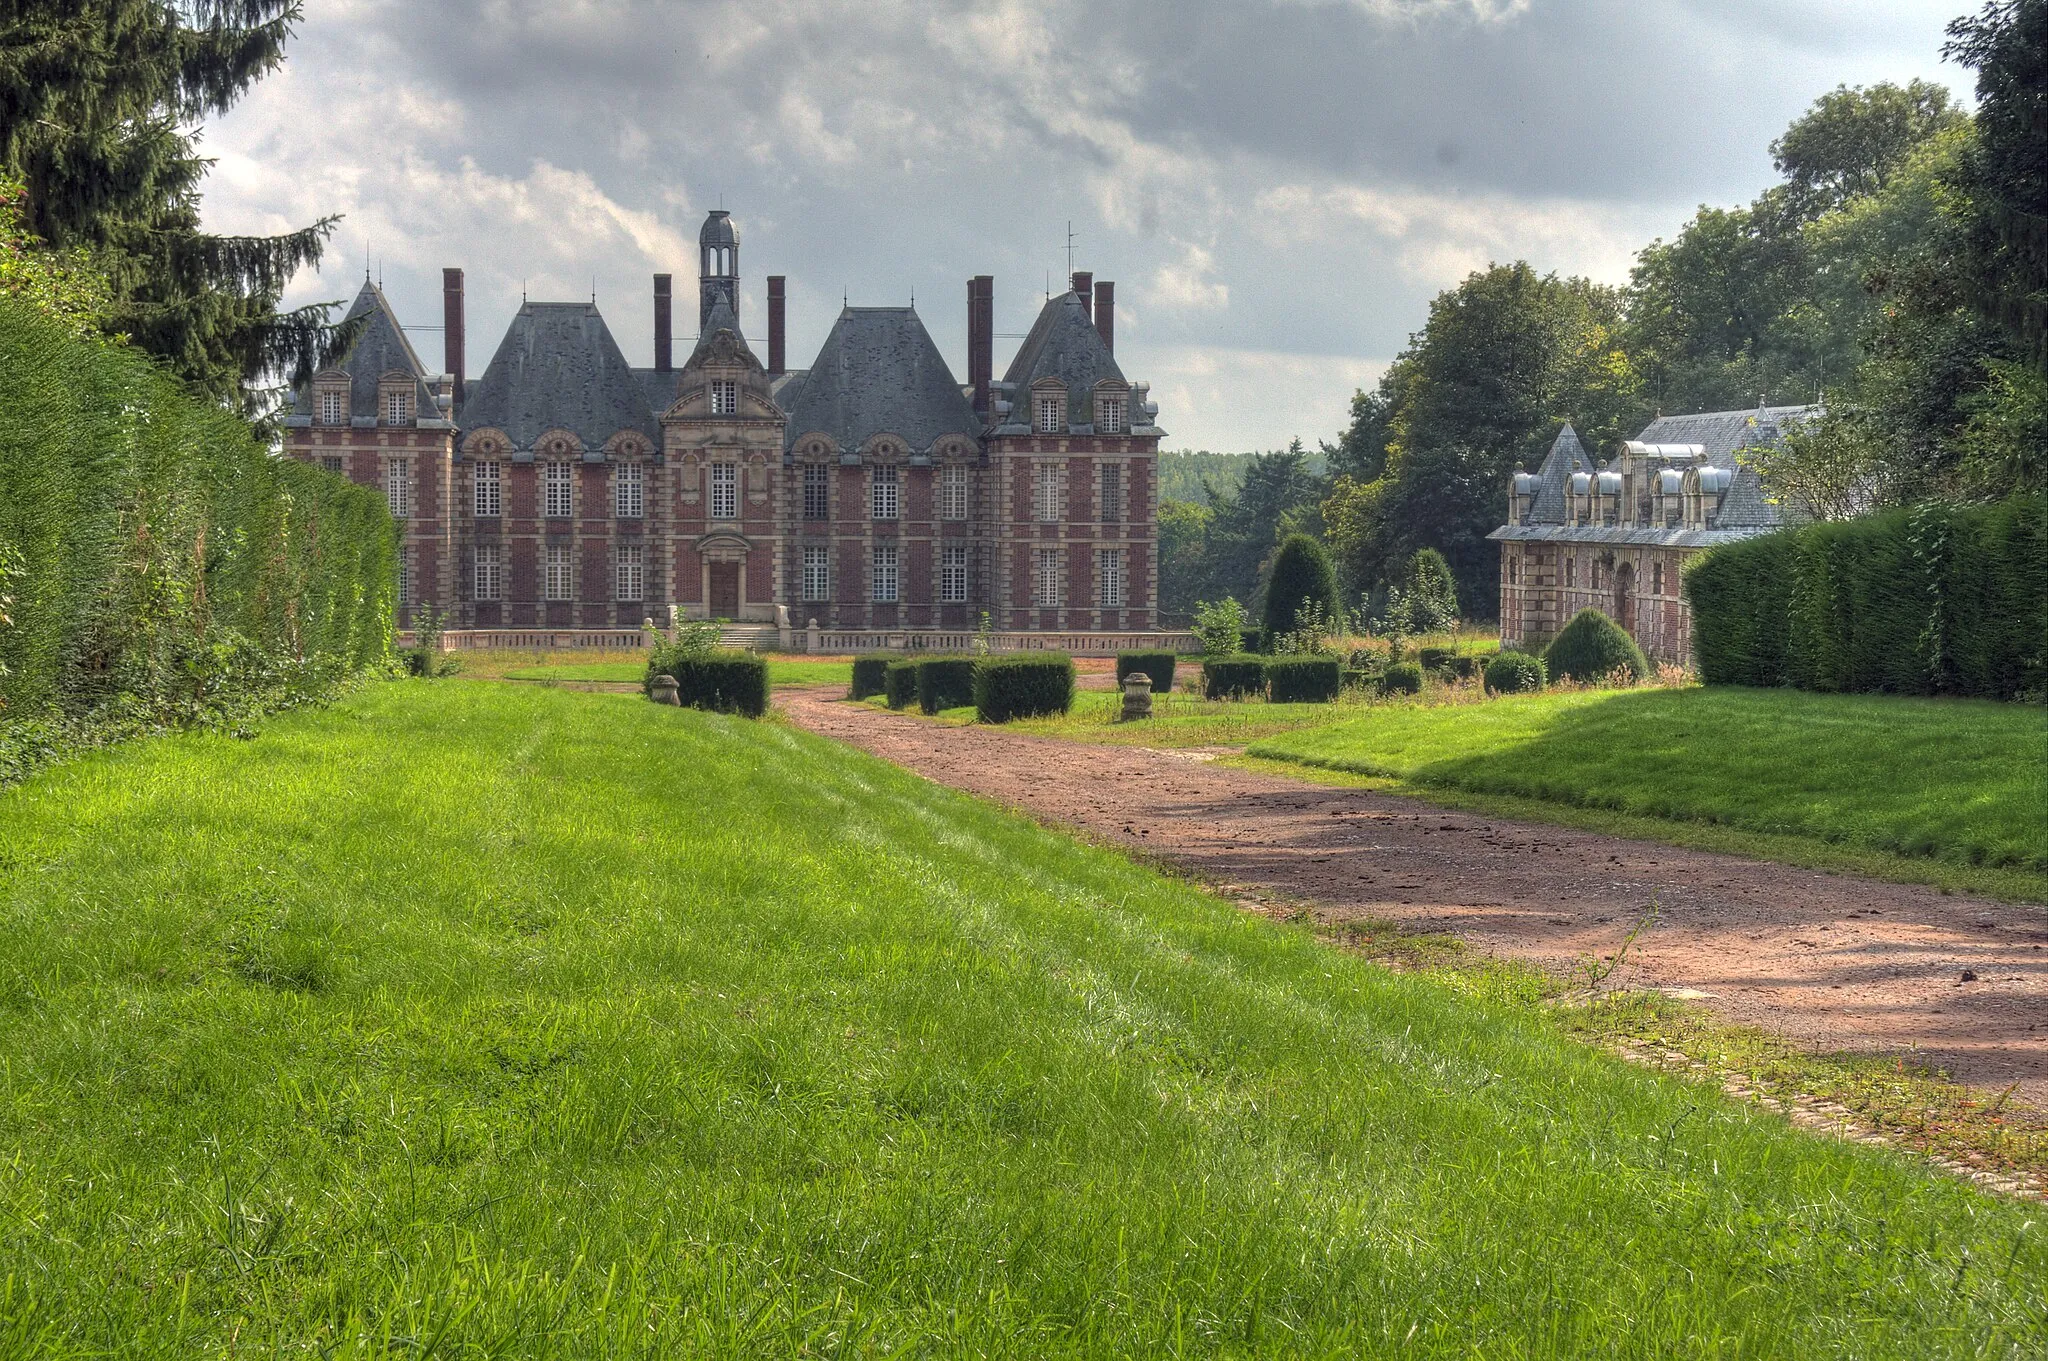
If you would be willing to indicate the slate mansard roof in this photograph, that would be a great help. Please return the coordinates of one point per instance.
(558, 368)
(379, 348)
(877, 373)
(1064, 344)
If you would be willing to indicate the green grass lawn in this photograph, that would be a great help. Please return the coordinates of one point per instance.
(1961, 780)
(484, 1020)
(781, 671)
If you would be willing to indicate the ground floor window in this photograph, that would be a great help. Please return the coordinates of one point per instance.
(1109, 578)
(398, 485)
(882, 582)
(404, 579)
(1514, 569)
(629, 573)
(953, 574)
(1046, 583)
(1656, 578)
(817, 582)
(331, 462)
(558, 575)
(490, 572)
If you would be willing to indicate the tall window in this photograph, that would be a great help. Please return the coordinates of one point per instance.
(725, 491)
(1109, 578)
(1049, 422)
(953, 574)
(1571, 570)
(490, 572)
(333, 407)
(725, 398)
(953, 492)
(817, 582)
(558, 574)
(629, 494)
(559, 500)
(404, 579)
(1110, 421)
(817, 491)
(1656, 578)
(398, 484)
(629, 572)
(488, 489)
(1045, 492)
(882, 580)
(1045, 581)
(1110, 496)
(397, 408)
(885, 493)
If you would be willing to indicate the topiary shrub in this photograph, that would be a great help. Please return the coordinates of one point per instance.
(726, 680)
(1302, 576)
(1591, 648)
(1401, 678)
(1233, 677)
(899, 683)
(1304, 680)
(870, 674)
(1514, 673)
(1023, 686)
(1157, 665)
(944, 683)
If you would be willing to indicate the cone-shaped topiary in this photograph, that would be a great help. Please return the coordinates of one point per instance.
(1591, 648)
(1302, 576)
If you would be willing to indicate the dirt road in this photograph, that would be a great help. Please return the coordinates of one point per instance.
(1831, 961)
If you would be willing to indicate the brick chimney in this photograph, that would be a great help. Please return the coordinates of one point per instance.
(664, 338)
(981, 337)
(453, 347)
(1105, 314)
(775, 318)
(1084, 288)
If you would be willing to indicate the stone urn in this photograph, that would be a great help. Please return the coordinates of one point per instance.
(662, 690)
(1137, 696)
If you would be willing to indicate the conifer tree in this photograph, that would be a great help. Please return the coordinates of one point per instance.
(97, 102)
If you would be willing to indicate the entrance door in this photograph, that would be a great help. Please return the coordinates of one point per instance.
(725, 590)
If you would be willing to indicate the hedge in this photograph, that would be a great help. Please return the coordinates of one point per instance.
(1401, 678)
(1930, 599)
(1304, 680)
(870, 674)
(1024, 685)
(165, 568)
(1233, 677)
(726, 680)
(944, 683)
(1514, 673)
(1592, 648)
(1158, 665)
(899, 683)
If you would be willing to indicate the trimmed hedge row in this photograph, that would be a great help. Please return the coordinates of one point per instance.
(726, 680)
(1929, 599)
(870, 674)
(1158, 665)
(1023, 685)
(1401, 678)
(1238, 677)
(164, 566)
(899, 683)
(944, 683)
(1304, 680)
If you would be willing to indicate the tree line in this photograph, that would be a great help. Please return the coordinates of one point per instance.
(1896, 274)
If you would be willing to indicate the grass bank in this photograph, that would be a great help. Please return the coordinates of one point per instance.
(631, 667)
(506, 1020)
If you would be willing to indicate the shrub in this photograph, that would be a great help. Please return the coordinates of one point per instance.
(870, 674)
(944, 683)
(1591, 648)
(1023, 686)
(1401, 678)
(1255, 643)
(1220, 626)
(1304, 680)
(1932, 599)
(1302, 577)
(726, 680)
(1233, 677)
(1158, 665)
(1513, 673)
(899, 683)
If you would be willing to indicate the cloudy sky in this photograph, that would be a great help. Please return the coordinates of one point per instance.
(1277, 187)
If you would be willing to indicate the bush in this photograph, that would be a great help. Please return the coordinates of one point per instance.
(1233, 677)
(899, 683)
(1591, 648)
(1930, 599)
(1401, 678)
(944, 683)
(726, 680)
(1158, 665)
(1302, 576)
(1513, 673)
(1220, 625)
(1255, 643)
(870, 674)
(1023, 686)
(1304, 680)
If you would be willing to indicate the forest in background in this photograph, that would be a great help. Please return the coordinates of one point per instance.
(1897, 273)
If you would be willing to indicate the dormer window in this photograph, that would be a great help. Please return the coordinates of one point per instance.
(1051, 414)
(334, 407)
(397, 408)
(725, 397)
(1109, 416)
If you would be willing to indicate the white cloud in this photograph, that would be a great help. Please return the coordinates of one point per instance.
(1214, 397)
(1188, 283)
